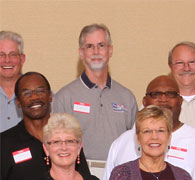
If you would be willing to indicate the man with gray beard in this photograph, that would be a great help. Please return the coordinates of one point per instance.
(182, 64)
(104, 108)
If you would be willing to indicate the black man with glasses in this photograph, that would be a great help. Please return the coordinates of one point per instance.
(12, 59)
(182, 64)
(163, 91)
(22, 155)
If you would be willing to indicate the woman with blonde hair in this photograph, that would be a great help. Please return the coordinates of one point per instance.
(153, 131)
(62, 143)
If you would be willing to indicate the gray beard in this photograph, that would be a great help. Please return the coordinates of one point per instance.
(97, 66)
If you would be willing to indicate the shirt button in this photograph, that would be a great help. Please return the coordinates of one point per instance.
(101, 105)
(8, 118)
(8, 102)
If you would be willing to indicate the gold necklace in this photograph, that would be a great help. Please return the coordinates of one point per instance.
(157, 177)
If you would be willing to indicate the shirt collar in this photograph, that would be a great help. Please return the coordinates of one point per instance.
(90, 85)
(24, 133)
(5, 95)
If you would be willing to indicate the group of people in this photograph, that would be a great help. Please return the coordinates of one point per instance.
(94, 117)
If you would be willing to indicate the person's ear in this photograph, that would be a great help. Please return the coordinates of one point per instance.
(81, 53)
(18, 102)
(22, 58)
(138, 138)
(80, 147)
(144, 102)
(181, 100)
(45, 150)
(50, 97)
(110, 50)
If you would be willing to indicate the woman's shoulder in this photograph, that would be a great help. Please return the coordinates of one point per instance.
(126, 166)
(179, 173)
(125, 171)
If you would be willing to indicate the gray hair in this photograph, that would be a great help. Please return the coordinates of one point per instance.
(91, 28)
(183, 43)
(62, 122)
(13, 37)
(156, 112)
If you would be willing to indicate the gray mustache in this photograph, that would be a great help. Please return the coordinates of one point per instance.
(97, 57)
(187, 73)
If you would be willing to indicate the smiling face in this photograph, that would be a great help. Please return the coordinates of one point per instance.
(37, 104)
(154, 137)
(10, 66)
(63, 154)
(183, 74)
(95, 52)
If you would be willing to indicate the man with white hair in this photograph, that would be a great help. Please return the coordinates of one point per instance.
(104, 107)
(182, 64)
(12, 59)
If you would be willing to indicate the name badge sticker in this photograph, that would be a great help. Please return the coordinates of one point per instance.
(22, 155)
(177, 152)
(81, 107)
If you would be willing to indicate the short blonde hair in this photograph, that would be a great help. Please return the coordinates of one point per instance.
(62, 122)
(157, 113)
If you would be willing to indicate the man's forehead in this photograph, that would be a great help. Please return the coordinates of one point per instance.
(162, 84)
(32, 80)
(95, 34)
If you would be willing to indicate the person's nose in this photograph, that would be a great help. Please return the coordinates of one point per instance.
(96, 50)
(7, 58)
(163, 98)
(186, 66)
(154, 134)
(34, 95)
(64, 145)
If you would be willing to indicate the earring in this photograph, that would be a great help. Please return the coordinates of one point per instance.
(168, 147)
(139, 148)
(78, 159)
(47, 160)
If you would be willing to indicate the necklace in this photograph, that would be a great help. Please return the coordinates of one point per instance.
(156, 177)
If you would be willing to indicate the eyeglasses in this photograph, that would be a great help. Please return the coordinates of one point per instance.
(11, 55)
(91, 47)
(181, 64)
(28, 93)
(151, 131)
(59, 143)
(159, 94)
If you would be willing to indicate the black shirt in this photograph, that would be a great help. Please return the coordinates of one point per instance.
(29, 163)
(166, 174)
(47, 176)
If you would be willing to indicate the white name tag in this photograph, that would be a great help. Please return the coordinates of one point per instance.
(22, 155)
(176, 152)
(81, 107)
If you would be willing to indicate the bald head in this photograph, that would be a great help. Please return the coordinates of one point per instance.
(163, 91)
(162, 81)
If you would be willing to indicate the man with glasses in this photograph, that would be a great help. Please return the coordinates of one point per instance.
(11, 62)
(164, 92)
(104, 108)
(182, 64)
(22, 155)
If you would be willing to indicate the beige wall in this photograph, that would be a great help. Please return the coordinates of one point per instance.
(143, 31)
